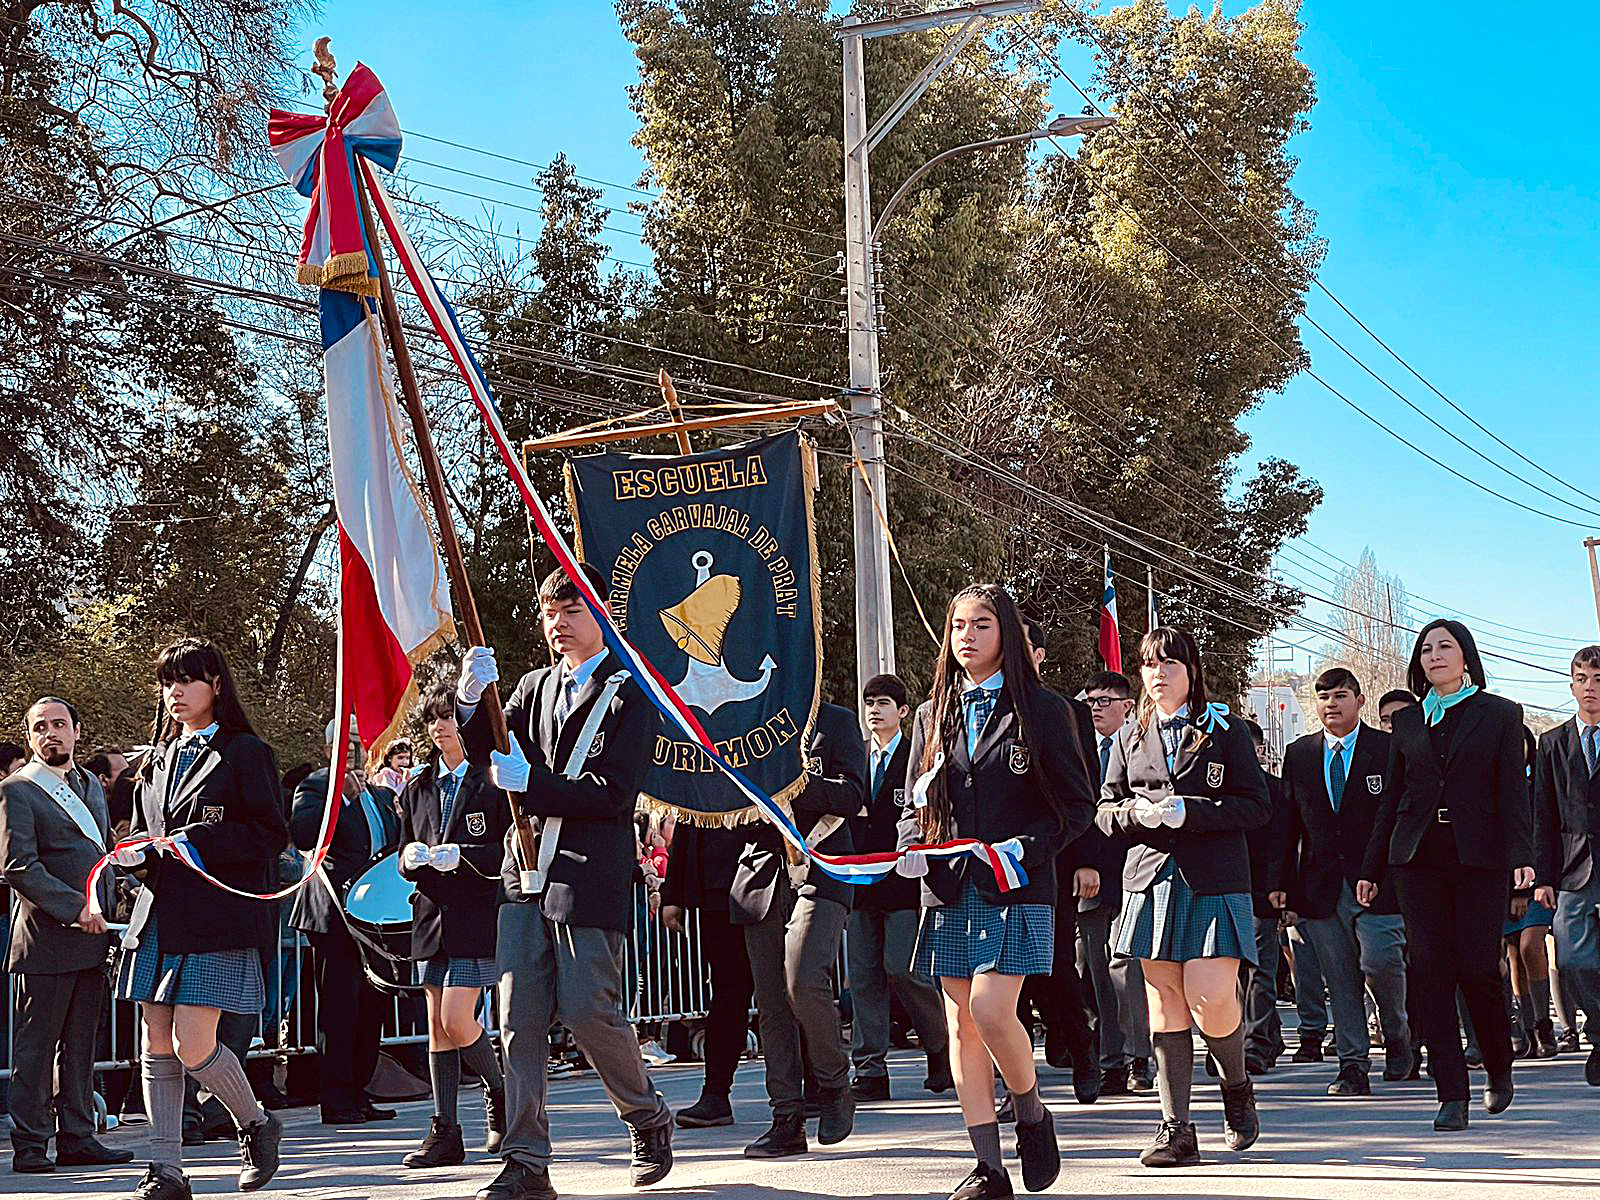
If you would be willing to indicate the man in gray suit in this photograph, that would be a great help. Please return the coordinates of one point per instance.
(53, 829)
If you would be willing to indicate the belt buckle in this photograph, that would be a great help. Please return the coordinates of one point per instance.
(1442, 816)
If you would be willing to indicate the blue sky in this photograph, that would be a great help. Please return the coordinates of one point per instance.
(1447, 165)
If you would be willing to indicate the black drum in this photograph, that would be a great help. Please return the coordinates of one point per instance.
(377, 905)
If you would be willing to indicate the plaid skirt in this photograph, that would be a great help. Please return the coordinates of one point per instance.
(227, 979)
(1171, 923)
(443, 971)
(971, 936)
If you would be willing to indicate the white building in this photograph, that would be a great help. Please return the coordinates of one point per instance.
(1277, 710)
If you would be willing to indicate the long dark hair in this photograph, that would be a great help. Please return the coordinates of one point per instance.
(1179, 646)
(196, 658)
(1417, 678)
(945, 717)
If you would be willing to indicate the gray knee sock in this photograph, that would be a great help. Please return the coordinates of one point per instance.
(986, 1143)
(1174, 1072)
(1229, 1053)
(223, 1076)
(444, 1072)
(1029, 1108)
(163, 1104)
(480, 1060)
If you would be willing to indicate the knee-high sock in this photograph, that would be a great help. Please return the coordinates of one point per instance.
(986, 1143)
(223, 1076)
(1541, 1002)
(1229, 1053)
(444, 1071)
(162, 1075)
(480, 1060)
(1174, 1072)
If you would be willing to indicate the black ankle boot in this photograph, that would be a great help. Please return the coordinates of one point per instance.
(785, 1137)
(441, 1148)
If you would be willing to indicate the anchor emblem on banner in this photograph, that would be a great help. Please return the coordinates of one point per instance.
(697, 624)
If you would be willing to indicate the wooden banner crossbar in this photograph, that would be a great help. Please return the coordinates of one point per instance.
(572, 439)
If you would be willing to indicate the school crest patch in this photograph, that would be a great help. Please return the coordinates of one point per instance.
(1214, 775)
(899, 797)
(1374, 784)
(477, 825)
(211, 814)
(1019, 759)
(813, 764)
(599, 743)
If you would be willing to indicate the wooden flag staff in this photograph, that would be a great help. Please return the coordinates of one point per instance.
(432, 472)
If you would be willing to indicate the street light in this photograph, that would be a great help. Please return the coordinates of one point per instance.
(1060, 127)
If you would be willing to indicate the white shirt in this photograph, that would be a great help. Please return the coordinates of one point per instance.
(1329, 741)
(459, 771)
(883, 754)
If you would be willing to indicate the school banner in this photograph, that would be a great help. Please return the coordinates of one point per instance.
(711, 564)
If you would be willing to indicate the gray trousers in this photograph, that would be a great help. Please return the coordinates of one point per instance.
(1577, 933)
(793, 950)
(1094, 953)
(1356, 948)
(1133, 1006)
(553, 972)
(878, 955)
(1263, 1028)
(1310, 994)
(53, 1029)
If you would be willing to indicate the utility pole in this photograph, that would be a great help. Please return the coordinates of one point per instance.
(1594, 572)
(874, 608)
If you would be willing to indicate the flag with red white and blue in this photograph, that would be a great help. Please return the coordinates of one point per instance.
(1110, 634)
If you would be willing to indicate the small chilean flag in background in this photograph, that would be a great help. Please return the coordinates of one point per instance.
(1110, 635)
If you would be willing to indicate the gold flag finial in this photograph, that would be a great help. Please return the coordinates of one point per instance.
(325, 67)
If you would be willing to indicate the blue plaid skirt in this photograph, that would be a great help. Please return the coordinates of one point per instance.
(971, 936)
(227, 979)
(1171, 923)
(444, 971)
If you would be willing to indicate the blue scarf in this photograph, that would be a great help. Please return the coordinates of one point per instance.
(1434, 706)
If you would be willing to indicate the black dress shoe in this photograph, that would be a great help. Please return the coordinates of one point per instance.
(1114, 1081)
(985, 1183)
(652, 1154)
(1240, 1125)
(271, 1098)
(1310, 1050)
(494, 1119)
(89, 1152)
(193, 1136)
(705, 1112)
(838, 1115)
(258, 1153)
(1544, 1040)
(870, 1087)
(32, 1160)
(1399, 1063)
(1452, 1116)
(1497, 1093)
(1141, 1075)
(373, 1113)
(345, 1116)
(1256, 1064)
(1085, 1087)
(1591, 1068)
(785, 1137)
(1352, 1081)
(939, 1078)
(517, 1181)
(442, 1147)
(1176, 1145)
(163, 1183)
(1040, 1153)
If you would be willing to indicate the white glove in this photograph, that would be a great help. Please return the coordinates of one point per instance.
(1146, 813)
(446, 857)
(509, 772)
(1173, 810)
(127, 856)
(415, 855)
(913, 864)
(478, 671)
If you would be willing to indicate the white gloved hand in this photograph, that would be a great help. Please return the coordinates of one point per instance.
(127, 856)
(446, 857)
(478, 671)
(509, 772)
(1173, 811)
(1146, 813)
(415, 855)
(913, 864)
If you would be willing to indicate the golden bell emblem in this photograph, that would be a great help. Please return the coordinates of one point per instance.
(698, 623)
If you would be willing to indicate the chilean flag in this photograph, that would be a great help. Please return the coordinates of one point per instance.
(1110, 636)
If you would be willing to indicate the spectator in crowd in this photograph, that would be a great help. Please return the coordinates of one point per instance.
(12, 756)
(53, 830)
(883, 918)
(108, 764)
(395, 765)
(350, 1010)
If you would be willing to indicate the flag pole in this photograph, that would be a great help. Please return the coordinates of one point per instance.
(432, 472)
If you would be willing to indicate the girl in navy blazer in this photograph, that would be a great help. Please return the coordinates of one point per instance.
(192, 950)
(998, 757)
(1184, 785)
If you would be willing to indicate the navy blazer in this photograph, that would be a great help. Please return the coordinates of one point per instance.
(453, 912)
(350, 854)
(1566, 810)
(1225, 794)
(1000, 792)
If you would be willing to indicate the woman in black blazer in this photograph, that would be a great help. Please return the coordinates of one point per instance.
(192, 950)
(1184, 785)
(994, 756)
(452, 823)
(1453, 835)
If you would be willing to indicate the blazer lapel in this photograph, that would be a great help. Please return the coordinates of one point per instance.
(1471, 715)
(191, 783)
(1188, 750)
(1000, 720)
(1576, 762)
(549, 689)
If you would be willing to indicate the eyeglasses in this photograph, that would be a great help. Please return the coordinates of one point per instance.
(1103, 701)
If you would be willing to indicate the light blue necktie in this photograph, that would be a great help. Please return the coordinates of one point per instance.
(1336, 776)
(979, 703)
(449, 785)
(569, 686)
(1172, 737)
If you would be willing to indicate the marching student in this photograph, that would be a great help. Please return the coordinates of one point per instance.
(1263, 1036)
(192, 950)
(452, 821)
(883, 920)
(1452, 836)
(1184, 784)
(1335, 783)
(1566, 823)
(994, 756)
(559, 942)
(1390, 703)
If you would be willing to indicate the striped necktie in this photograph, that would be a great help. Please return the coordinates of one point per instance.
(449, 787)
